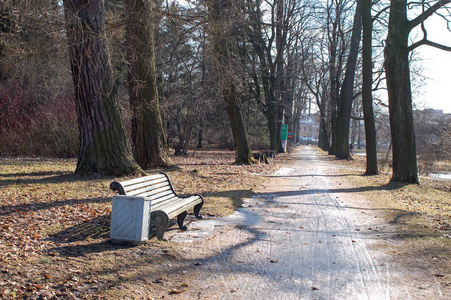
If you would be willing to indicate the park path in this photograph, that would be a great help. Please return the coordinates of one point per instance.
(294, 240)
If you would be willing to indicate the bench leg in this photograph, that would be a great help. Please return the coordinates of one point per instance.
(180, 219)
(197, 210)
(161, 221)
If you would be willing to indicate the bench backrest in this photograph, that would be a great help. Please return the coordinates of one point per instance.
(153, 186)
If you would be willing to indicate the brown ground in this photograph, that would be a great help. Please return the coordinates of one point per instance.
(54, 226)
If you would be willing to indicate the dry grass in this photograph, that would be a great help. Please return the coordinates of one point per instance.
(419, 218)
(430, 199)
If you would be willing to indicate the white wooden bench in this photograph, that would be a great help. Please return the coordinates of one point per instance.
(159, 197)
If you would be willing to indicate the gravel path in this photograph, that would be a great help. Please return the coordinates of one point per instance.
(296, 241)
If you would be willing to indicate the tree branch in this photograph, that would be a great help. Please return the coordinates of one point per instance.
(427, 13)
(428, 43)
(380, 13)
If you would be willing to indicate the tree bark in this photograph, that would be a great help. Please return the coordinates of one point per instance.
(399, 95)
(323, 138)
(104, 146)
(221, 18)
(347, 89)
(148, 134)
(367, 98)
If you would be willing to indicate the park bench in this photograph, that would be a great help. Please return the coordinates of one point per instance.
(155, 203)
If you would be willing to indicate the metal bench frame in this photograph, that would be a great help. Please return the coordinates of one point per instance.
(166, 204)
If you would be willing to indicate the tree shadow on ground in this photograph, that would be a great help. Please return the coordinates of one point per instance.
(57, 178)
(27, 207)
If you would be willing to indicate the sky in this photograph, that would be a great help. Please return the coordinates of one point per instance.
(437, 70)
(436, 63)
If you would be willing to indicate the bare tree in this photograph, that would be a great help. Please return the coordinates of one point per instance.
(222, 21)
(367, 99)
(347, 88)
(397, 69)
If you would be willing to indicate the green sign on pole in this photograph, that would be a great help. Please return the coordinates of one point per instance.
(284, 132)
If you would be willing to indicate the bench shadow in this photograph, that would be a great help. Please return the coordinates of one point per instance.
(94, 229)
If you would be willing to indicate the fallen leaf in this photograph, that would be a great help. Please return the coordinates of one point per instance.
(175, 291)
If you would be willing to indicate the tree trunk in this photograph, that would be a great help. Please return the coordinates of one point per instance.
(399, 95)
(323, 138)
(148, 135)
(347, 89)
(367, 98)
(271, 115)
(334, 92)
(243, 153)
(104, 146)
(221, 19)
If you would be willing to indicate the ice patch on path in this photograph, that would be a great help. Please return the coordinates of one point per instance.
(200, 229)
(441, 176)
(284, 171)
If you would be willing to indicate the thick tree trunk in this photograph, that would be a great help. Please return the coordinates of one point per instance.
(347, 89)
(399, 95)
(148, 135)
(104, 146)
(367, 98)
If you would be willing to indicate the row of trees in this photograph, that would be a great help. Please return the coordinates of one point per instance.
(267, 60)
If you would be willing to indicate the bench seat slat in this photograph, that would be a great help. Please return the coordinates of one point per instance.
(174, 203)
(142, 179)
(174, 208)
(136, 186)
(149, 190)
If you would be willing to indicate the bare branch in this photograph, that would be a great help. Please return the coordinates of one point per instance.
(428, 43)
(427, 13)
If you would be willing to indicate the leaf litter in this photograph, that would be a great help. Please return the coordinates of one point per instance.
(54, 225)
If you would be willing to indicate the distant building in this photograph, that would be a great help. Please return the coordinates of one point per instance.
(309, 129)
(432, 133)
(431, 114)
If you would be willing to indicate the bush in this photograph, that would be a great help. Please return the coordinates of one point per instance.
(30, 127)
